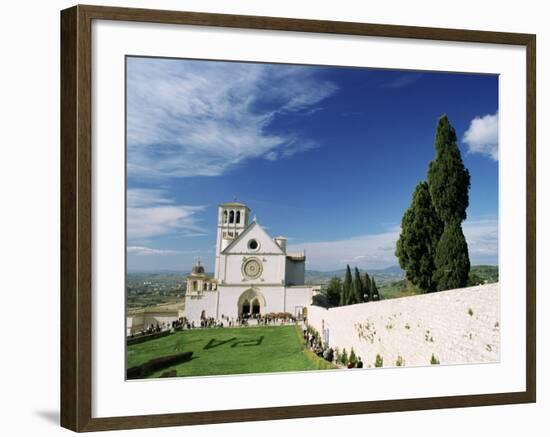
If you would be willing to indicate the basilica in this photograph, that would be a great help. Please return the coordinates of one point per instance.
(254, 274)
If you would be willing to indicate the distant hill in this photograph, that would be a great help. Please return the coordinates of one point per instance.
(479, 274)
(389, 274)
(486, 274)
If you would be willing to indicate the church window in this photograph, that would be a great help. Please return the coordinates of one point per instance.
(253, 244)
(231, 216)
(238, 219)
(195, 285)
(230, 234)
(205, 286)
(225, 216)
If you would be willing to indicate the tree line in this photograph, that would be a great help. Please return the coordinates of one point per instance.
(353, 289)
(432, 248)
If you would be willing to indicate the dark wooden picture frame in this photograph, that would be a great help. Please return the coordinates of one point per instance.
(76, 217)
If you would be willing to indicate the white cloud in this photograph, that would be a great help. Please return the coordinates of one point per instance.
(374, 251)
(190, 118)
(482, 136)
(150, 213)
(482, 238)
(148, 251)
(377, 251)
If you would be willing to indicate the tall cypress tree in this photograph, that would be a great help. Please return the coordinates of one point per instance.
(357, 287)
(346, 287)
(448, 179)
(452, 263)
(421, 229)
(367, 288)
(449, 183)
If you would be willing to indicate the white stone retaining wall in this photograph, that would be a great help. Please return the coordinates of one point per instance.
(457, 326)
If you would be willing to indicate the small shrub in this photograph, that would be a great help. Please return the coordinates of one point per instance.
(407, 326)
(434, 360)
(379, 362)
(497, 324)
(488, 347)
(344, 357)
(400, 361)
(352, 357)
(470, 312)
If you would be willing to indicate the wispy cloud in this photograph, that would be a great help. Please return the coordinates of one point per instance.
(376, 251)
(372, 251)
(151, 213)
(403, 80)
(482, 136)
(198, 118)
(149, 251)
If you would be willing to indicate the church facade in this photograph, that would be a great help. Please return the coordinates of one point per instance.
(254, 274)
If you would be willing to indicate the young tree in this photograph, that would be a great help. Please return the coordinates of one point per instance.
(421, 229)
(346, 287)
(374, 290)
(344, 357)
(367, 292)
(358, 288)
(334, 291)
(448, 179)
(352, 357)
(452, 263)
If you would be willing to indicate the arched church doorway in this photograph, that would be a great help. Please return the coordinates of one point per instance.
(251, 303)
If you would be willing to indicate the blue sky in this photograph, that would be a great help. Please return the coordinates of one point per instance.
(327, 156)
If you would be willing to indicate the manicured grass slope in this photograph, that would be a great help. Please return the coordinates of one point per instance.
(231, 351)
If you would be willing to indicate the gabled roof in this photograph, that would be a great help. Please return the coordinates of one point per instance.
(243, 234)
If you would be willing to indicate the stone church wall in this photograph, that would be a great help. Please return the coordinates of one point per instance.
(273, 269)
(297, 298)
(195, 306)
(456, 326)
(295, 272)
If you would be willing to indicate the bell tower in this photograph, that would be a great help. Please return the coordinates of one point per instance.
(232, 220)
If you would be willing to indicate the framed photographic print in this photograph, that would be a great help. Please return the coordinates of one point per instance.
(268, 218)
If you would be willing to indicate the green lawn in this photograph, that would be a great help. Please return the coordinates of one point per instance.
(225, 351)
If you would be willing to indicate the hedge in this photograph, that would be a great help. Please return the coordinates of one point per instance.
(156, 364)
(143, 338)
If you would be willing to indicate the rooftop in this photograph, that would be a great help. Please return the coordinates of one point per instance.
(234, 204)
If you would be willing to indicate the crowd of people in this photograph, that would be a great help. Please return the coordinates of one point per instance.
(152, 329)
(275, 319)
(231, 322)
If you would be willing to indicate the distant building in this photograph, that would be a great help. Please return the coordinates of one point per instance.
(254, 274)
(144, 318)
